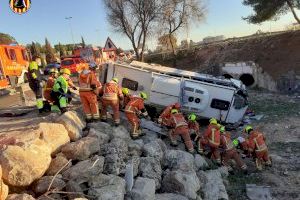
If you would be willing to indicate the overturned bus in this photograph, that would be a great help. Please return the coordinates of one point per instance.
(204, 95)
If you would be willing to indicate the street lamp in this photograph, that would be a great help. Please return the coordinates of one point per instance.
(69, 19)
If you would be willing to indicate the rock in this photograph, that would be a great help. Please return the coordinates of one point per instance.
(121, 132)
(180, 182)
(81, 149)
(213, 186)
(74, 123)
(55, 135)
(107, 187)
(135, 160)
(149, 136)
(144, 188)
(102, 137)
(113, 164)
(51, 197)
(153, 149)
(150, 168)
(255, 192)
(3, 187)
(200, 163)
(116, 146)
(103, 127)
(20, 197)
(74, 187)
(135, 147)
(85, 170)
(21, 165)
(168, 196)
(179, 160)
(41, 185)
(57, 164)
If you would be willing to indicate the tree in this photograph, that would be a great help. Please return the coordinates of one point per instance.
(178, 14)
(6, 39)
(167, 43)
(271, 10)
(49, 52)
(61, 49)
(82, 42)
(35, 51)
(134, 19)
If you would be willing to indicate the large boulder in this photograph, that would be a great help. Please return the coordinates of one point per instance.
(41, 185)
(153, 149)
(180, 182)
(168, 196)
(121, 132)
(102, 137)
(179, 160)
(74, 123)
(107, 187)
(150, 168)
(103, 127)
(85, 170)
(75, 190)
(81, 149)
(135, 147)
(3, 187)
(144, 188)
(200, 163)
(24, 164)
(60, 162)
(20, 197)
(55, 135)
(213, 186)
(116, 146)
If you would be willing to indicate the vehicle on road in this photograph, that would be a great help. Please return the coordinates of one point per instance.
(74, 64)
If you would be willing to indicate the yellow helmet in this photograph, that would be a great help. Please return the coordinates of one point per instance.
(248, 128)
(125, 91)
(174, 111)
(222, 129)
(192, 117)
(33, 65)
(115, 80)
(66, 71)
(144, 95)
(213, 121)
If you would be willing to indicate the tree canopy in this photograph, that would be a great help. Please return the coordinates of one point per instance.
(6, 38)
(265, 10)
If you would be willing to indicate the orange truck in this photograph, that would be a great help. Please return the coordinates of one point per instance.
(14, 61)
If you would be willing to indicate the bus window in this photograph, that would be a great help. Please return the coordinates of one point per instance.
(24, 54)
(12, 55)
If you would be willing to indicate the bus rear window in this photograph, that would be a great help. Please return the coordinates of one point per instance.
(67, 62)
(12, 55)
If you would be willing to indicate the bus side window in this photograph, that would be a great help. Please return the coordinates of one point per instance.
(12, 55)
(25, 55)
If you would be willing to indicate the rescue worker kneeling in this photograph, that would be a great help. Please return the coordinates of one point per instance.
(89, 88)
(230, 153)
(164, 118)
(127, 97)
(194, 127)
(180, 127)
(112, 95)
(53, 73)
(133, 109)
(257, 146)
(212, 139)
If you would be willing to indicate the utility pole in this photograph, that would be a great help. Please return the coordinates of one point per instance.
(69, 19)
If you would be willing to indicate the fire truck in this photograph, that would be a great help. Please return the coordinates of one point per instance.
(14, 61)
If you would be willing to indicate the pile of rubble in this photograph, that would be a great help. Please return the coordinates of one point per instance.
(67, 159)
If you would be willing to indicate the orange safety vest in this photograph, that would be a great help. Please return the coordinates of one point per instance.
(194, 126)
(256, 140)
(213, 135)
(111, 91)
(226, 141)
(135, 105)
(178, 120)
(167, 112)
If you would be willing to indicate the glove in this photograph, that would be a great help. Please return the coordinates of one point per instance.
(159, 120)
(93, 87)
(74, 88)
(241, 139)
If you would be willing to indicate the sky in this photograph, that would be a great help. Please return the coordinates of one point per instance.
(46, 18)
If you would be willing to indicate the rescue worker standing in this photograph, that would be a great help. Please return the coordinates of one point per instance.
(257, 145)
(127, 97)
(212, 139)
(88, 91)
(60, 91)
(180, 127)
(164, 118)
(50, 83)
(112, 95)
(133, 109)
(35, 83)
(230, 153)
(194, 126)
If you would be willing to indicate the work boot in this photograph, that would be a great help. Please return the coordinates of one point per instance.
(192, 151)
(258, 164)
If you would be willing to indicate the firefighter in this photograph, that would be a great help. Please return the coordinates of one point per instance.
(230, 152)
(112, 95)
(257, 146)
(194, 127)
(59, 92)
(180, 127)
(50, 83)
(88, 90)
(212, 139)
(164, 118)
(127, 97)
(35, 83)
(133, 109)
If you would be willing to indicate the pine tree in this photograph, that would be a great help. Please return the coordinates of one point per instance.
(61, 49)
(50, 57)
(82, 42)
(35, 51)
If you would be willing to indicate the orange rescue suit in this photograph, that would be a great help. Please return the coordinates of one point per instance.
(48, 89)
(256, 143)
(166, 115)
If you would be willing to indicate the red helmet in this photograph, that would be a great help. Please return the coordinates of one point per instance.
(177, 106)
